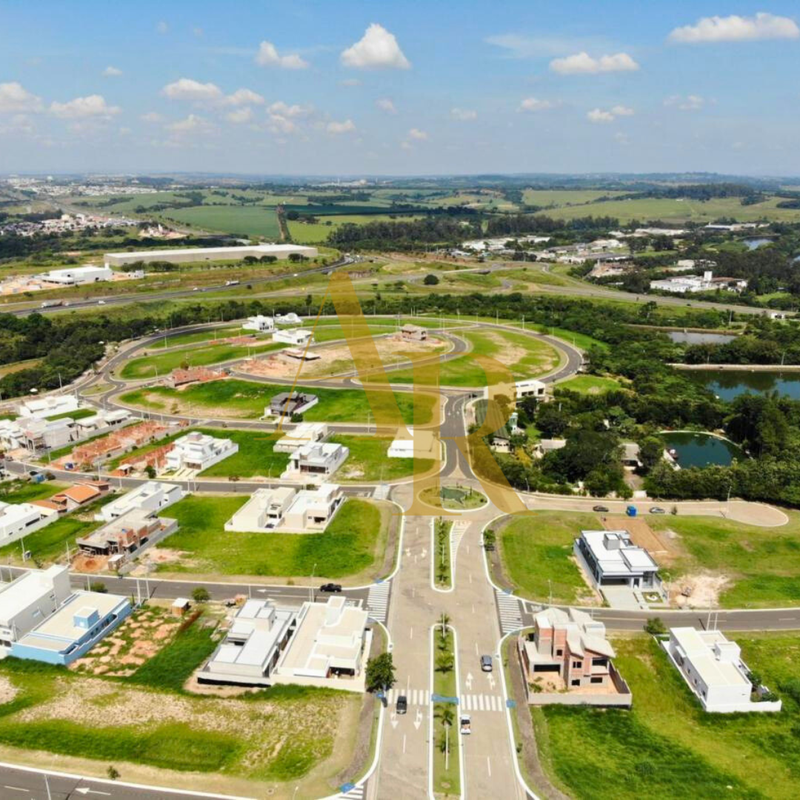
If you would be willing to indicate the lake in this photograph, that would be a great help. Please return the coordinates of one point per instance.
(694, 337)
(728, 384)
(753, 244)
(702, 449)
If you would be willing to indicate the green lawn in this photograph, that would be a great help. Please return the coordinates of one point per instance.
(352, 543)
(666, 746)
(25, 491)
(446, 772)
(247, 399)
(564, 197)
(240, 220)
(536, 553)
(368, 461)
(201, 336)
(160, 364)
(256, 456)
(589, 384)
(81, 413)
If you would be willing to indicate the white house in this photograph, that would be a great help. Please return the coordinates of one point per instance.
(288, 319)
(199, 451)
(418, 444)
(37, 433)
(297, 337)
(530, 388)
(312, 509)
(317, 460)
(30, 598)
(151, 496)
(263, 512)
(259, 324)
(304, 433)
(713, 669)
(611, 559)
(77, 276)
(50, 406)
(286, 509)
(20, 519)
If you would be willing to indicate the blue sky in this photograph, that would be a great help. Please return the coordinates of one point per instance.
(375, 87)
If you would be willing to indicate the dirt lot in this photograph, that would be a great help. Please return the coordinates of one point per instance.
(664, 546)
(703, 590)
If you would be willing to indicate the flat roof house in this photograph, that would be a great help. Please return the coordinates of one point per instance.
(312, 509)
(286, 509)
(414, 333)
(316, 460)
(611, 559)
(288, 319)
(127, 534)
(41, 407)
(289, 403)
(259, 324)
(530, 388)
(713, 669)
(20, 519)
(199, 451)
(263, 512)
(304, 433)
(151, 496)
(297, 337)
(419, 444)
(39, 433)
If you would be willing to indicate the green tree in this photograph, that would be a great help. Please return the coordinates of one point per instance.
(380, 673)
(430, 279)
(651, 451)
(200, 594)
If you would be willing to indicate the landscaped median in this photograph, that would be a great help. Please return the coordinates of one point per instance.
(442, 564)
(445, 738)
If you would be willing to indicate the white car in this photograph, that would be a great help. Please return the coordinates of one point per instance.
(101, 302)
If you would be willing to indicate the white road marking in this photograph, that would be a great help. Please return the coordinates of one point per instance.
(17, 789)
(410, 633)
(489, 765)
(404, 743)
(477, 652)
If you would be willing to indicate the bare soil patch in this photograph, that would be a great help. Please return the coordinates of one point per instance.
(698, 590)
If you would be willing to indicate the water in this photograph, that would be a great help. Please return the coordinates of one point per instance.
(754, 244)
(692, 337)
(702, 449)
(729, 384)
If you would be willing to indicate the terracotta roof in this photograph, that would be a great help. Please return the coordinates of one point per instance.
(47, 504)
(80, 493)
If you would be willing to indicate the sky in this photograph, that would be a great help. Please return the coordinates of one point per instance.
(411, 87)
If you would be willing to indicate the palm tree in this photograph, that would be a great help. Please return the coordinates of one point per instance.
(446, 716)
(445, 621)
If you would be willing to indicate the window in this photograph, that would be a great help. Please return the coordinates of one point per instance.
(597, 680)
(576, 682)
(576, 664)
(559, 652)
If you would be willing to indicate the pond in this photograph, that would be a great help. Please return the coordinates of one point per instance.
(696, 337)
(702, 449)
(754, 244)
(729, 384)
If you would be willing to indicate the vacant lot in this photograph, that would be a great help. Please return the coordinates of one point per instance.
(256, 456)
(368, 461)
(666, 746)
(589, 384)
(239, 220)
(353, 543)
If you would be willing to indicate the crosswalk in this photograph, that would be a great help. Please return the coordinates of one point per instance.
(466, 702)
(510, 615)
(356, 793)
(456, 532)
(378, 600)
(416, 697)
(382, 491)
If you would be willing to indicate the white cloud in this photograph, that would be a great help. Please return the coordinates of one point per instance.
(162, 27)
(584, 64)
(463, 114)
(335, 128)
(535, 104)
(19, 123)
(598, 115)
(377, 49)
(268, 56)
(240, 116)
(190, 124)
(84, 107)
(285, 110)
(151, 116)
(244, 97)
(692, 102)
(112, 72)
(385, 104)
(15, 98)
(622, 111)
(188, 89)
(737, 29)
(416, 133)
(279, 124)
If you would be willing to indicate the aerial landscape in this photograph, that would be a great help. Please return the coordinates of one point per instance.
(399, 400)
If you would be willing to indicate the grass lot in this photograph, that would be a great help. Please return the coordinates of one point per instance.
(247, 399)
(81, 413)
(353, 542)
(536, 554)
(368, 461)
(763, 564)
(524, 356)
(273, 735)
(666, 746)
(240, 220)
(446, 781)
(203, 336)
(580, 340)
(256, 456)
(159, 364)
(48, 544)
(25, 491)
(329, 331)
(564, 197)
(589, 384)
(315, 232)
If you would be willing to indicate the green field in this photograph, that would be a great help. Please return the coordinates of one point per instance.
(256, 456)
(589, 384)
(535, 551)
(245, 399)
(160, 364)
(666, 746)
(353, 542)
(238, 220)
(202, 336)
(368, 461)
(564, 197)
(315, 232)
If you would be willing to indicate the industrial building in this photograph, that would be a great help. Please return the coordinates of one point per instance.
(77, 276)
(188, 255)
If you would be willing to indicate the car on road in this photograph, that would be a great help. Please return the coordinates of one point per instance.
(486, 663)
(101, 302)
(331, 587)
(465, 724)
(196, 289)
(402, 704)
(600, 509)
(657, 510)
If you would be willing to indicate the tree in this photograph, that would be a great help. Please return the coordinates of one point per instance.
(655, 626)
(200, 594)
(430, 279)
(113, 773)
(99, 587)
(651, 451)
(150, 471)
(380, 673)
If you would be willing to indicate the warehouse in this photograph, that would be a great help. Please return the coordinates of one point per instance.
(77, 276)
(187, 255)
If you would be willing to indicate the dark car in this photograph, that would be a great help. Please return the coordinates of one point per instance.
(486, 663)
(402, 704)
(600, 509)
(331, 587)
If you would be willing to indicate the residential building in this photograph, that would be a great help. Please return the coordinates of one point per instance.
(530, 388)
(417, 444)
(127, 534)
(286, 404)
(28, 599)
(50, 406)
(611, 559)
(630, 455)
(288, 319)
(312, 509)
(38, 433)
(151, 496)
(545, 446)
(77, 276)
(199, 451)
(568, 652)
(304, 433)
(186, 255)
(317, 460)
(259, 324)
(263, 512)
(20, 519)
(414, 333)
(286, 509)
(713, 669)
(297, 337)
(73, 629)
(80, 494)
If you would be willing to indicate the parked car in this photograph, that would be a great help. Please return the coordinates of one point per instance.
(657, 510)
(600, 509)
(486, 663)
(331, 587)
(402, 704)
(465, 724)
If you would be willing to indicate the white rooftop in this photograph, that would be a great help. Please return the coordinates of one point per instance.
(26, 589)
(699, 649)
(615, 553)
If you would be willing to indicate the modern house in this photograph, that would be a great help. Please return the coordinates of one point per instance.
(187, 255)
(288, 319)
(545, 446)
(199, 451)
(264, 511)
(304, 433)
(259, 324)
(38, 433)
(312, 509)
(530, 388)
(289, 403)
(713, 669)
(297, 337)
(414, 333)
(317, 460)
(50, 406)
(568, 653)
(611, 559)
(285, 509)
(19, 519)
(127, 534)
(151, 496)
